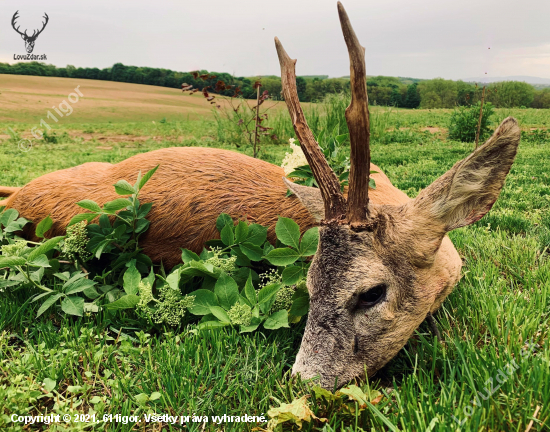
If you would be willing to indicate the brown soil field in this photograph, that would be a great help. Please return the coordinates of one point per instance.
(28, 99)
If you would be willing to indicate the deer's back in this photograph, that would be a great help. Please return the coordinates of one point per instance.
(191, 187)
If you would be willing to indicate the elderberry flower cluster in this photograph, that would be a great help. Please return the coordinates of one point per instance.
(74, 246)
(295, 159)
(283, 298)
(240, 314)
(225, 264)
(170, 308)
(14, 249)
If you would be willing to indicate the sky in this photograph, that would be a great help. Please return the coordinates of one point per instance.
(410, 38)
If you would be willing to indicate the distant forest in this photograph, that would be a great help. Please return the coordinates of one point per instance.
(382, 90)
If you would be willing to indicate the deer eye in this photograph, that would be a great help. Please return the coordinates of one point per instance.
(373, 296)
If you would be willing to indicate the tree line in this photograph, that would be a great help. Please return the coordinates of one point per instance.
(382, 90)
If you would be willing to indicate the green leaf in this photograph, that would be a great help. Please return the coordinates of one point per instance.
(43, 226)
(300, 303)
(277, 320)
(8, 216)
(12, 261)
(282, 256)
(38, 296)
(223, 220)
(48, 384)
(372, 183)
(73, 305)
(241, 232)
(310, 241)
(173, 279)
(63, 276)
(249, 290)
(125, 302)
(288, 232)
(146, 177)
(199, 268)
(141, 226)
(122, 187)
(88, 217)
(115, 205)
(79, 286)
(89, 205)
(257, 234)
(45, 247)
(187, 256)
(47, 303)
(267, 295)
(142, 398)
(132, 278)
(90, 292)
(227, 235)
(253, 252)
(251, 327)
(204, 300)
(219, 313)
(144, 209)
(154, 396)
(291, 275)
(227, 291)
(40, 261)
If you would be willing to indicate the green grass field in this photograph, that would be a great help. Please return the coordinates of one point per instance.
(500, 305)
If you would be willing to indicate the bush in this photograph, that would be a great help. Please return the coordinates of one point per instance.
(464, 120)
(240, 280)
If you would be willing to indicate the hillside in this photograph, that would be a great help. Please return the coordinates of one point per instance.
(28, 99)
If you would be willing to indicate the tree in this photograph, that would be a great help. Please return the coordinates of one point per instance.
(412, 100)
(437, 93)
(509, 94)
(542, 98)
(301, 86)
(396, 99)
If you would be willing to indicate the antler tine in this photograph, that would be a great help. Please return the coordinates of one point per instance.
(43, 24)
(335, 204)
(14, 18)
(357, 118)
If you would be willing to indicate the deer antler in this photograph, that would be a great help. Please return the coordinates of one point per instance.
(43, 26)
(13, 24)
(357, 118)
(335, 204)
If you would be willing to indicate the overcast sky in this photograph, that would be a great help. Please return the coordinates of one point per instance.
(409, 38)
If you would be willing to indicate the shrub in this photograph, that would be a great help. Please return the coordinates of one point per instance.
(239, 280)
(464, 122)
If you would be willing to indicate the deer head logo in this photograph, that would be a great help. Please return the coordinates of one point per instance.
(29, 40)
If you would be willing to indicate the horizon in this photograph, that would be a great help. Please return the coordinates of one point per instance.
(467, 44)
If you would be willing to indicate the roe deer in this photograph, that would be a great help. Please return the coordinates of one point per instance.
(384, 261)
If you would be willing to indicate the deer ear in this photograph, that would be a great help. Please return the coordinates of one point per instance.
(466, 192)
(23, 37)
(310, 197)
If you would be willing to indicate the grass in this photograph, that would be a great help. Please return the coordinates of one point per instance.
(106, 364)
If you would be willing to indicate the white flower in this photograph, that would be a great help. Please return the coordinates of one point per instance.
(295, 159)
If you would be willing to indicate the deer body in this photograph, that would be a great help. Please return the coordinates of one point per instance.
(191, 187)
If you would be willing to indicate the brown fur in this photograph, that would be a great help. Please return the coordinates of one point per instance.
(191, 187)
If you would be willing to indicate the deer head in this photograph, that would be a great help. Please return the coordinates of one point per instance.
(29, 40)
(380, 269)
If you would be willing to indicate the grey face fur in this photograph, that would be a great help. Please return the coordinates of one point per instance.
(371, 288)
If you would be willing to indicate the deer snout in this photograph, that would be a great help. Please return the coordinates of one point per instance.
(327, 360)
